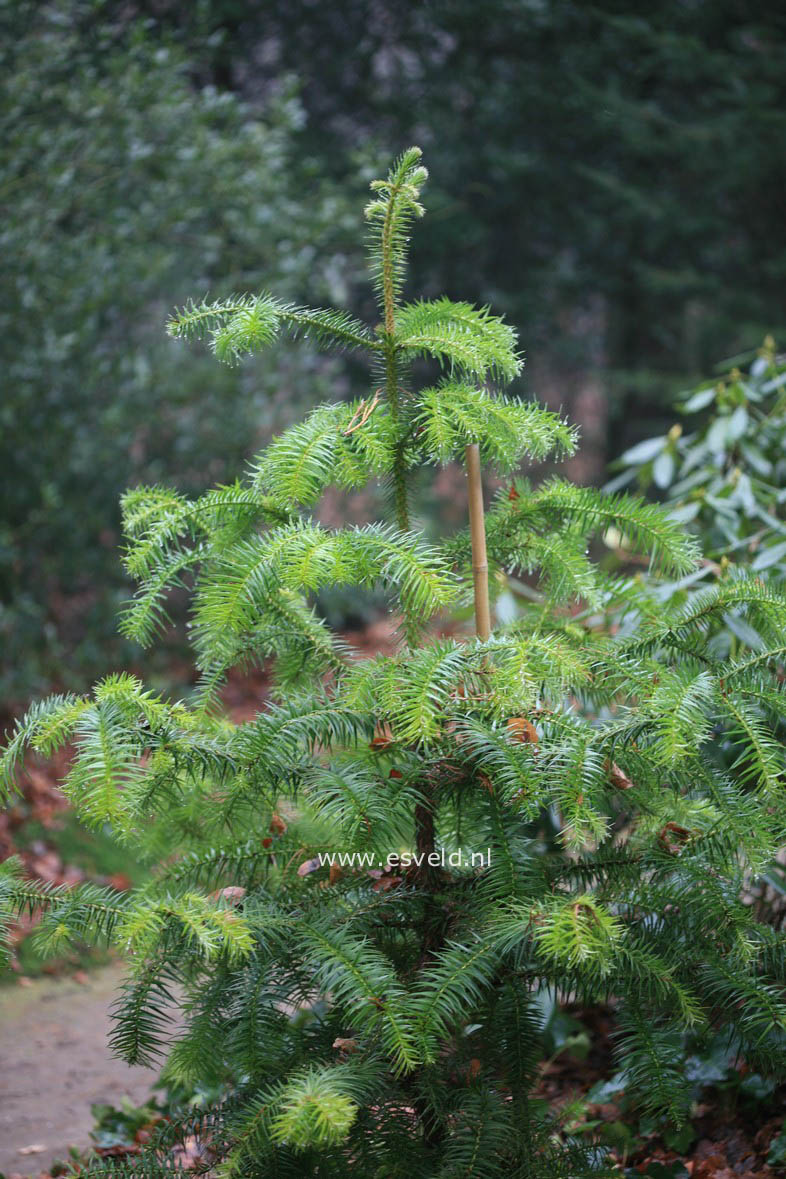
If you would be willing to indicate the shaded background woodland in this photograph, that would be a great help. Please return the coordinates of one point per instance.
(609, 179)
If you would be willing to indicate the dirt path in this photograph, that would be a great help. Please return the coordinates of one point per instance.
(55, 1061)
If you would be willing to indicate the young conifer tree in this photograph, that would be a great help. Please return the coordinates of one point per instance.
(382, 1022)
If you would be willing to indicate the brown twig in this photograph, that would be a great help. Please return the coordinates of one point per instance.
(362, 414)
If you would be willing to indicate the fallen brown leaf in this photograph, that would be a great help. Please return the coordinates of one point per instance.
(618, 777)
(522, 730)
(383, 737)
(672, 838)
(232, 893)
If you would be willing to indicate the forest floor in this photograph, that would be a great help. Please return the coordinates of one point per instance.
(54, 1045)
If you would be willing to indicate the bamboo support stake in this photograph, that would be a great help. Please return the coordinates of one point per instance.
(477, 531)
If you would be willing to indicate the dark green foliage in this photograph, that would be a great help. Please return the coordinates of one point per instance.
(122, 190)
(582, 155)
(380, 1017)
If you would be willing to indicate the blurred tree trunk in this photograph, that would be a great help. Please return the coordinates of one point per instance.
(574, 381)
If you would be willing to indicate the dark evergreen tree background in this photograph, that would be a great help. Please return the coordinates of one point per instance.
(610, 177)
(599, 152)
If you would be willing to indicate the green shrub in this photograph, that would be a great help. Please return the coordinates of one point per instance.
(726, 477)
(383, 1018)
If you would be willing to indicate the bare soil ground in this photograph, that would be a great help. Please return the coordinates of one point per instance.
(54, 1063)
